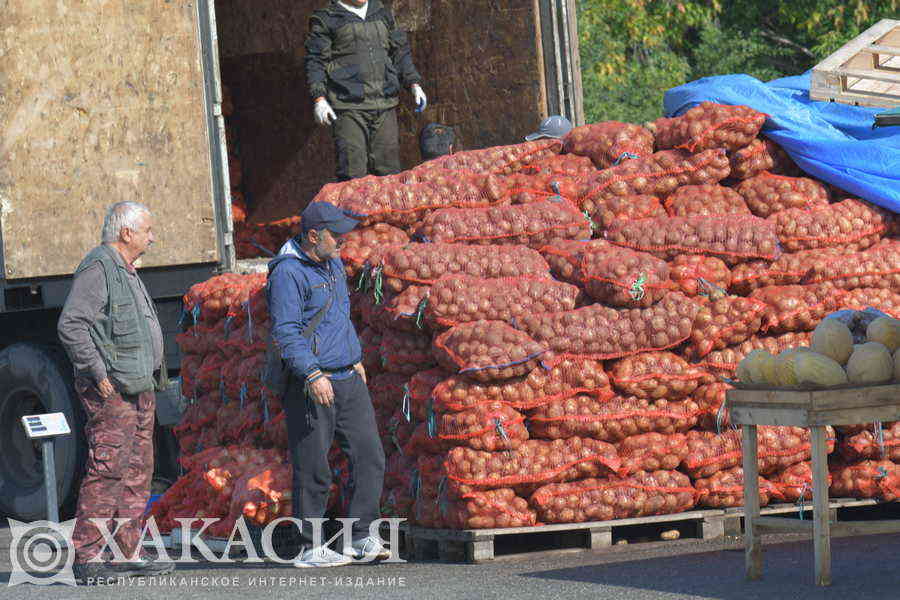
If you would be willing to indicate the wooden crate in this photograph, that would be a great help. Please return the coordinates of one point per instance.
(864, 72)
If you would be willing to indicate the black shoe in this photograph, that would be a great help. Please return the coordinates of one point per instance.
(93, 573)
(143, 567)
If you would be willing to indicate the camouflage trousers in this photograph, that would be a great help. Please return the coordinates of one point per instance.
(119, 468)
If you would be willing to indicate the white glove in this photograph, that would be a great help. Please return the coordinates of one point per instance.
(419, 97)
(324, 113)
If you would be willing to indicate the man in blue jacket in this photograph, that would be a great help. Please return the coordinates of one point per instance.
(327, 395)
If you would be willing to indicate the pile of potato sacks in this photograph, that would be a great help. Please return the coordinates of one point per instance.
(546, 325)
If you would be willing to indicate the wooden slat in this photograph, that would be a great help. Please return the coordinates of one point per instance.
(874, 74)
(878, 49)
(849, 50)
(766, 415)
(852, 416)
(781, 525)
(865, 527)
(752, 540)
(821, 524)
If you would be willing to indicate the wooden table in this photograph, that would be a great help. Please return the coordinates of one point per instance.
(846, 405)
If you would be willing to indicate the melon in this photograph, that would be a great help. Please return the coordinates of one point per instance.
(754, 367)
(785, 367)
(897, 366)
(817, 370)
(833, 339)
(884, 330)
(870, 363)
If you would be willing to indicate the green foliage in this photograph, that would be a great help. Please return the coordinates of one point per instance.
(632, 51)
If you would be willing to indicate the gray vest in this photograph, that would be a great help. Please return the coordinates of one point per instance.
(121, 333)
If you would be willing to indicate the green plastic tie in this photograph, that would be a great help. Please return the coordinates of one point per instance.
(379, 286)
(637, 288)
(431, 420)
(501, 431)
(363, 280)
(420, 311)
(591, 221)
(405, 408)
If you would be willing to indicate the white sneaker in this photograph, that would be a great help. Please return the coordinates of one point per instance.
(369, 548)
(321, 556)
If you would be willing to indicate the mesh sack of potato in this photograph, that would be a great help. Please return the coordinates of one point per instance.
(796, 307)
(698, 275)
(762, 155)
(709, 125)
(725, 489)
(867, 479)
(487, 351)
(660, 492)
(655, 375)
(607, 210)
(733, 238)
(710, 398)
(456, 299)
(416, 398)
(370, 340)
(887, 301)
(423, 264)
(624, 278)
(542, 386)
(358, 245)
(796, 481)
(787, 269)
(488, 509)
(883, 443)
(535, 461)
(570, 165)
(766, 194)
(564, 256)
(522, 188)
(608, 143)
(386, 390)
(496, 159)
(600, 332)
(490, 427)
(709, 199)
(725, 322)
(405, 352)
(652, 451)
(612, 420)
(850, 222)
(877, 267)
(535, 224)
(725, 362)
(396, 502)
(658, 175)
(404, 311)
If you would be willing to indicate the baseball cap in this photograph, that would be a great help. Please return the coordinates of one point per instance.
(325, 215)
(554, 126)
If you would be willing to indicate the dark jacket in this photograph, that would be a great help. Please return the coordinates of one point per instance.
(356, 63)
(297, 288)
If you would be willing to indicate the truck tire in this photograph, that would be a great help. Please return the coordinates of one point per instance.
(36, 379)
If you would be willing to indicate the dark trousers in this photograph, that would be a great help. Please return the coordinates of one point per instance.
(366, 143)
(311, 430)
(119, 467)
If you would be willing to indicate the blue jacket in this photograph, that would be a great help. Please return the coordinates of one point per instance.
(297, 288)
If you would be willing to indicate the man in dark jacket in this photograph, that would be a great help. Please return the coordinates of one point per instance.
(111, 333)
(356, 61)
(327, 395)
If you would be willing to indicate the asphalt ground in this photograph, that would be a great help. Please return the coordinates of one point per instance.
(863, 568)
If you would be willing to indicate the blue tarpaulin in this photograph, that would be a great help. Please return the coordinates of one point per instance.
(831, 142)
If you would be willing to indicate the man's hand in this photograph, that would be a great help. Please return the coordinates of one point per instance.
(419, 97)
(321, 391)
(106, 388)
(324, 113)
(361, 370)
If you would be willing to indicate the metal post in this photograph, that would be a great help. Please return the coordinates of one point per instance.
(50, 480)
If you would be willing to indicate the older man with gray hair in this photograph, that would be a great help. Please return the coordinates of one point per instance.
(112, 335)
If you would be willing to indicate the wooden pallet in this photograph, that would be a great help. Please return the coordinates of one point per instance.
(734, 517)
(478, 545)
(864, 72)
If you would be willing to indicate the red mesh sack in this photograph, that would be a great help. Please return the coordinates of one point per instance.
(535, 461)
(488, 510)
(456, 299)
(658, 175)
(788, 269)
(387, 389)
(697, 275)
(878, 267)
(612, 420)
(621, 277)
(849, 222)
(725, 361)
(487, 350)
(370, 340)
(570, 165)
(534, 224)
(221, 295)
(404, 311)
(497, 159)
(767, 194)
(423, 264)
(631, 207)
(489, 427)
(525, 188)
(359, 244)
(796, 481)
(417, 394)
(396, 502)
(868, 479)
(710, 397)
(655, 375)
(732, 238)
(883, 443)
(887, 301)
(725, 322)
(405, 352)
(705, 200)
(652, 451)
(641, 495)
(762, 155)
(600, 332)
(567, 378)
(564, 256)
(725, 489)
(797, 307)
(609, 143)
(709, 125)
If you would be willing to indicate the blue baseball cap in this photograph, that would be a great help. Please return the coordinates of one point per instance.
(325, 215)
(552, 127)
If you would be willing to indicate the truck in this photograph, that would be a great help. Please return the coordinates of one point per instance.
(103, 101)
